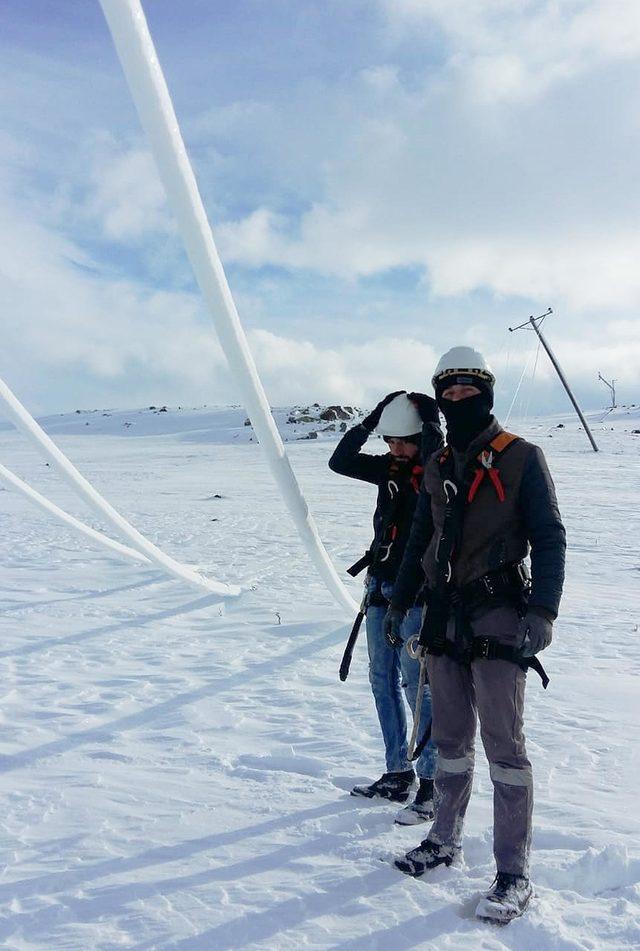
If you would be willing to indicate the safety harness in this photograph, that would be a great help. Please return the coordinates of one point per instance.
(511, 583)
(382, 553)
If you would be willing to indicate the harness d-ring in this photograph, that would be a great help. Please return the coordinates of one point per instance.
(450, 490)
(413, 648)
(393, 488)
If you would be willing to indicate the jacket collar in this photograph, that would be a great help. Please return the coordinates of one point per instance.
(478, 444)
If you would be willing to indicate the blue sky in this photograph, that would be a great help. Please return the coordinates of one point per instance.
(384, 179)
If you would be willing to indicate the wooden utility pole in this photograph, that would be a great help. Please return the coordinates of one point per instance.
(612, 387)
(534, 323)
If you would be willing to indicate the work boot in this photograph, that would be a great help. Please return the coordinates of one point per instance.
(428, 855)
(508, 898)
(392, 786)
(421, 809)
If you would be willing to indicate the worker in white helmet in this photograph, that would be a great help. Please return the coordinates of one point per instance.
(487, 501)
(409, 424)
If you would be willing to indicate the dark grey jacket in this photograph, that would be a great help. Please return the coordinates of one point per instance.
(493, 533)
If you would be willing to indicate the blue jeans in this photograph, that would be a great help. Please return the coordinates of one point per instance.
(391, 669)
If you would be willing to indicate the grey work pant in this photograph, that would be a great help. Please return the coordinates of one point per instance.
(494, 690)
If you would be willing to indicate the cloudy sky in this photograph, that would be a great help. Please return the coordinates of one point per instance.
(384, 178)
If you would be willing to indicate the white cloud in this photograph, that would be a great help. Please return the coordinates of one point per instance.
(254, 240)
(510, 49)
(59, 309)
(353, 373)
(503, 162)
(124, 193)
(122, 338)
(582, 273)
(539, 201)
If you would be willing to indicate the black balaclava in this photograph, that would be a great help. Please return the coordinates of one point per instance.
(466, 418)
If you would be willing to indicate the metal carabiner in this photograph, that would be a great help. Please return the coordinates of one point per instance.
(414, 648)
(450, 490)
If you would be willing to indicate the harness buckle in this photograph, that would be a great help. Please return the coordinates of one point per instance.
(484, 648)
(489, 586)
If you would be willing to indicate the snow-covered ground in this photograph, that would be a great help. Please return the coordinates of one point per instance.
(176, 775)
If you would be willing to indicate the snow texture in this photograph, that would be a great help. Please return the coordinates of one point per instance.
(176, 778)
(13, 482)
(21, 418)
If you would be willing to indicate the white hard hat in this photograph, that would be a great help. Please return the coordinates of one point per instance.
(463, 362)
(399, 418)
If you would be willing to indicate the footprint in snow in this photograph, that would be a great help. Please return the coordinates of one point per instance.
(593, 873)
(115, 757)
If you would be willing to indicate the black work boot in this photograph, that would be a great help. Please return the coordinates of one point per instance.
(421, 809)
(508, 898)
(426, 856)
(392, 786)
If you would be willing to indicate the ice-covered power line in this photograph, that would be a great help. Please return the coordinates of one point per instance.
(517, 389)
(13, 482)
(142, 70)
(23, 421)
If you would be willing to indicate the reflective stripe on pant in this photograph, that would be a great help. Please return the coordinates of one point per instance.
(494, 690)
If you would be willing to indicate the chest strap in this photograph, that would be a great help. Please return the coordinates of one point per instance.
(485, 467)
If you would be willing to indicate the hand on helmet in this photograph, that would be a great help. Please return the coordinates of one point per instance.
(426, 406)
(371, 421)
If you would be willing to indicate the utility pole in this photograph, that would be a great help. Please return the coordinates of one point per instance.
(612, 387)
(534, 323)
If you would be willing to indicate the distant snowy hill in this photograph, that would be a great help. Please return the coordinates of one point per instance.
(229, 424)
(226, 424)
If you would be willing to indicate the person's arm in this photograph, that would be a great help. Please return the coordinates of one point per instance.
(432, 439)
(348, 460)
(546, 535)
(410, 575)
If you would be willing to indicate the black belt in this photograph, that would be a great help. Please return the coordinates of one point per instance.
(488, 648)
(512, 582)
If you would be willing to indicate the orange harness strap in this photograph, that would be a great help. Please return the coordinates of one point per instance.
(486, 459)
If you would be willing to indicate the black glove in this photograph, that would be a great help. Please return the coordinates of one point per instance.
(536, 632)
(435, 621)
(426, 406)
(371, 421)
(391, 627)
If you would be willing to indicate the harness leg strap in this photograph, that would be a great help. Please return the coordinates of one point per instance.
(490, 649)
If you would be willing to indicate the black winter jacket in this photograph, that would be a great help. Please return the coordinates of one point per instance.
(543, 528)
(394, 510)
